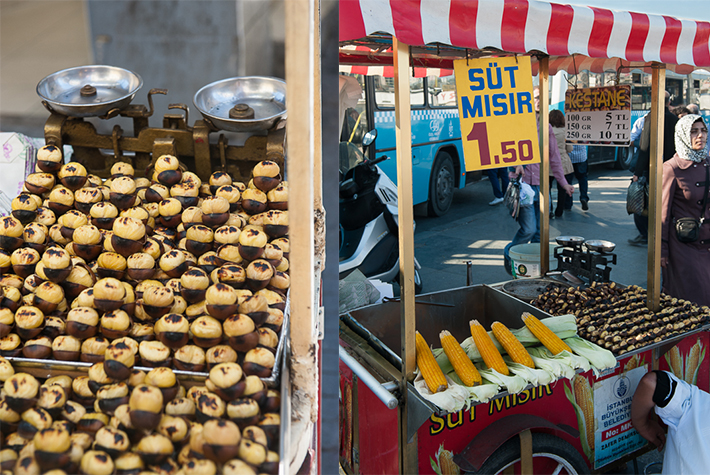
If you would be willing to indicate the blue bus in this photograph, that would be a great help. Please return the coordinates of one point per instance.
(438, 166)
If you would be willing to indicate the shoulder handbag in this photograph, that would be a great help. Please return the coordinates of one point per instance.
(637, 197)
(688, 229)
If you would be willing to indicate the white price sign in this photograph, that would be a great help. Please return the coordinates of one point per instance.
(598, 116)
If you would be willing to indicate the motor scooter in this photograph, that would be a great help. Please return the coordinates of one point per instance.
(369, 219)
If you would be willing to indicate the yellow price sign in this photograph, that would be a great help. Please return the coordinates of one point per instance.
(497, 112)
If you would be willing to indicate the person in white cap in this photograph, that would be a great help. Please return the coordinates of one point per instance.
(683, 408)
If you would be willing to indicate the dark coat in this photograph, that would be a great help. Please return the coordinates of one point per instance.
(687, 274)
(669, 121)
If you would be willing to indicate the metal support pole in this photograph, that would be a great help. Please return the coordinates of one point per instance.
(403, 126)
(544, 166)
(369, 380)
(658, 108)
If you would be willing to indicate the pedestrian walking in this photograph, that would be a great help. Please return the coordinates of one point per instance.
(557, 122)
(641, 168)
(499, 182)
(578, 157)
(529, 215)
(686, 265)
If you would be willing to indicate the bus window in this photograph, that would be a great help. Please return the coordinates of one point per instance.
(355, 118)
(384, 92)
(442, 91)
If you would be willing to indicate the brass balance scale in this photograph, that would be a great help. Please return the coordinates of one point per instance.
(243, 104)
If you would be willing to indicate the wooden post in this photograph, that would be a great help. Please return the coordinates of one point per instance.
(299, 64)
(403, 126)
(658, 109)
(544, 166)
(317, 129)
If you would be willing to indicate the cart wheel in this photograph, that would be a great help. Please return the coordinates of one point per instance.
(550, 455)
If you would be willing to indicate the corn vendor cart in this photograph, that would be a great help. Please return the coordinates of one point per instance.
(578, 424)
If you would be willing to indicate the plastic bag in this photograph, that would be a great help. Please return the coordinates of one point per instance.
(527, 194)
(637, 197)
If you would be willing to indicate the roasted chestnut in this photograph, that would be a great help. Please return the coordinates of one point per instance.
(49, 158)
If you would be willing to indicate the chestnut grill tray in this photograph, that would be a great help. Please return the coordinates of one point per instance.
(77, 368)
(530, 289)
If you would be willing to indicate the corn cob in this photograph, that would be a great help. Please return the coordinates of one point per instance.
(487, 349)
(432, 374)
(692, 362)
(546, 336)
(634, 362)
(463, 366)
(446, 463)
(512, 345)
(585, 400)
(675, 362)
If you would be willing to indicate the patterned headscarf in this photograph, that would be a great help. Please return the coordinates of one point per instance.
(683, 146)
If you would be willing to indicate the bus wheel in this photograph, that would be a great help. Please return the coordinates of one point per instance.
(550, 455)
(441, 185)
(623, 158)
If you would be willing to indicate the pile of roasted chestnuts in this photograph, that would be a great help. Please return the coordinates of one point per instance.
(186, 274)
(146, 422)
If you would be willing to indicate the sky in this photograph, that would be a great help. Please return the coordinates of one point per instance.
(681, 9)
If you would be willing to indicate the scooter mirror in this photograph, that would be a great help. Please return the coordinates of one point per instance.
(369, 138)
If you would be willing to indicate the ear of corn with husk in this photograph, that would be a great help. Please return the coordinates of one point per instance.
(675, 361)
(581, 397)
(633, 362)
(428, 367)
(444, 464)
(490, 354)
(513, 347)
(546, 336)
(463, 366)
(564, 326)
(692, 362)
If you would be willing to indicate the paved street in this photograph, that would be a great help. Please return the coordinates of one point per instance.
(474, 231)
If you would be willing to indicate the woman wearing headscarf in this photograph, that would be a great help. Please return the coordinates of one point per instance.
(686, 265)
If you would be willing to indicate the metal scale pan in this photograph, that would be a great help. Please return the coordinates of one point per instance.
(88, 91)
(569, 241)
(600, 245)
(243, 104)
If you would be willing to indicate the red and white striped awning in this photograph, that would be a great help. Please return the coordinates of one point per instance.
(576, 38)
